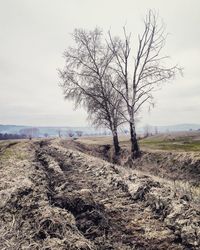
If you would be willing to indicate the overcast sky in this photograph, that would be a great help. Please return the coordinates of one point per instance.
(34, 34)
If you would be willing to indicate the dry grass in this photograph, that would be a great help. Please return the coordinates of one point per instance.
(27, 220)
(179, 188)
(159, 161)
(52, 197)
(182, 141)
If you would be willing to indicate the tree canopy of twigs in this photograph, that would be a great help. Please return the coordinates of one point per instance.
(112, 79)
(87, 80)
(141, 76)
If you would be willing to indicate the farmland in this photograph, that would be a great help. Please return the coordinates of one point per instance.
(55, 197)
(181, 141)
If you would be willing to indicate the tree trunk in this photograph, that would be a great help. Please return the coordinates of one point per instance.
(116, 142)
(135, 150)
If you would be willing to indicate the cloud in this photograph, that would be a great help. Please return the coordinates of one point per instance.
(34, 35)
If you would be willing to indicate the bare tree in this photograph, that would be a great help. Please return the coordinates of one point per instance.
(87, 80)
(30, 132)
(107, 113)
(141, 76)
(156, 130)
(70, 133)
(59, 133)
(46, 135)
(147, 131)
(79, 133)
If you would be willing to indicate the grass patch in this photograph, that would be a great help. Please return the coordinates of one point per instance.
(184, 141)
(180, 144)
(7, 153)
(11, 151)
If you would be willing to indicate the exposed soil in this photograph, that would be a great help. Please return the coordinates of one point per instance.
(181, 166)
(58, 198)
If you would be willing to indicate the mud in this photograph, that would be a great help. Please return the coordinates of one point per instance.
(59, 198)
(183, 166)
(175, 166)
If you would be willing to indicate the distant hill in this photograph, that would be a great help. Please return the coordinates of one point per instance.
(54, 131)
(174, 128)
(51, 131)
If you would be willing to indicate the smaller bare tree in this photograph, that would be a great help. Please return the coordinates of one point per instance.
(59, 133)
(156, 130)
(70, 133)
(46, 135)
(30, 132)
(79, 133)
(147, 131)
(87, 80)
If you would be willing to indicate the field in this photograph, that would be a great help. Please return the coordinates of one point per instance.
(181, 141)
(187, 141)
(61, 194)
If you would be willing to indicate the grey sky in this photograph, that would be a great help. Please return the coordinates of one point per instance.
(34, 34)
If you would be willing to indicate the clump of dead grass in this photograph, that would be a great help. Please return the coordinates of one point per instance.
(28, 220)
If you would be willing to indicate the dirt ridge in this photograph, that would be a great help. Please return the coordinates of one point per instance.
(65, 199)
(143, 193)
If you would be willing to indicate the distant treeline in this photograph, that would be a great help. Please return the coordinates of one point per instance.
(12, 136)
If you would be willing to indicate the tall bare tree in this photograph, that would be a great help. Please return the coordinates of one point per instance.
(87, 80)
(141, 76)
